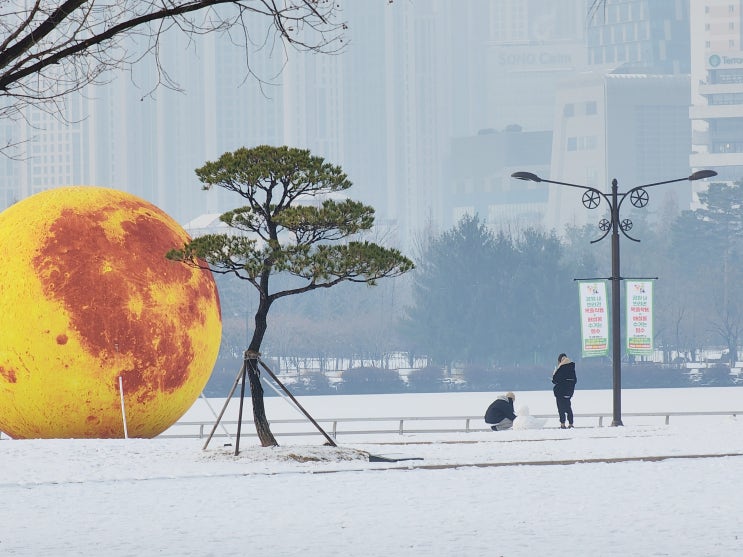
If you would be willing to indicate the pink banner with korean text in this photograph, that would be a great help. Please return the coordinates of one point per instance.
(639, 296)
(594, 322)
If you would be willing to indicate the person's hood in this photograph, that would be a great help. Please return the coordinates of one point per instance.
(564, 361)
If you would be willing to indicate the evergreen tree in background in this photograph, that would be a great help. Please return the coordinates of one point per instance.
(707, 246)
(485, 299)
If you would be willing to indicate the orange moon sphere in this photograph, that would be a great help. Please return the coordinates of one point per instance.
(90, 308)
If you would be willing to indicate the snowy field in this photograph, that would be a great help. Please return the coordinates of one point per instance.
(645, 489)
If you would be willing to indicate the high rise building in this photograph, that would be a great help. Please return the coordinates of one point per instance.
(530, 47)
(534, 44)
(625, 118)
(413, 77)
(642, 36)
(378, 109)
(148, 141)
(479, 177)
(717, 88)
(42, 150)
(632, 127)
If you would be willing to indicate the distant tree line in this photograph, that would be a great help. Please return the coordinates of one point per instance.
(497, 306)
(594, 373)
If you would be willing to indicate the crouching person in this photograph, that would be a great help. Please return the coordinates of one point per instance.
(500, 414)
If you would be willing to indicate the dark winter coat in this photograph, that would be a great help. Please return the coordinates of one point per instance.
(564, 379)
(501, 408)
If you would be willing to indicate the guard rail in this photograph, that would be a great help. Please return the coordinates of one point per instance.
(399, 425)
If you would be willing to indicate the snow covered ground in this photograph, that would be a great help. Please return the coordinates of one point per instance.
(643, 489)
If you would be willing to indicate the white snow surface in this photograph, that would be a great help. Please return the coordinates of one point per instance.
(644, 489)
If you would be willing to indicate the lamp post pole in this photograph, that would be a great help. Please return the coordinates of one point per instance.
(616, 338)
(591, 199)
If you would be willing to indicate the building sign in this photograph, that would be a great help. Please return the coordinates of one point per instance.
(730, 60)
(594, 323)
(553, 56)
(639, 296)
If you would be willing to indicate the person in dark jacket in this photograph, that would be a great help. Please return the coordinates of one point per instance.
(564, 380)
(500, 414)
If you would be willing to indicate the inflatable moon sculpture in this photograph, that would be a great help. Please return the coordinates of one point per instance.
(100, 334)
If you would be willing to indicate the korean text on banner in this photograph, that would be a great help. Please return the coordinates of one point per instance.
(594, 322)
(639, 297)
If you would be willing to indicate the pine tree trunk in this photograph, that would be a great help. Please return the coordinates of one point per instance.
(262, 427)
(254, 375)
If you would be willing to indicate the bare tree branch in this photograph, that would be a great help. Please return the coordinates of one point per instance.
(51, 49)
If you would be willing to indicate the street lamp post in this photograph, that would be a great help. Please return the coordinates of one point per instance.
(591, 199)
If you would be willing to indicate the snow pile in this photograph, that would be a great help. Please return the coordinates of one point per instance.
(298, 453)
(524, 420)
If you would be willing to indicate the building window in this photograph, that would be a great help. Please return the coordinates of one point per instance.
(727, 147)
(589, 143)
(568, 110)
(621, 53)
(609, 55)
(591, 178)
(726, 98)
(591, 107)
(572, 143)
(727, 76)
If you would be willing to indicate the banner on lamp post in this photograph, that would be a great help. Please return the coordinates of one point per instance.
(594, 319)
(639, 296)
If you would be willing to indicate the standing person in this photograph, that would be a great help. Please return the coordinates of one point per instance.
(564, 380)
(500, 414)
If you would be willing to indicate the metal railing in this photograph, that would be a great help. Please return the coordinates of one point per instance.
(396, 425)
(399, 425)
